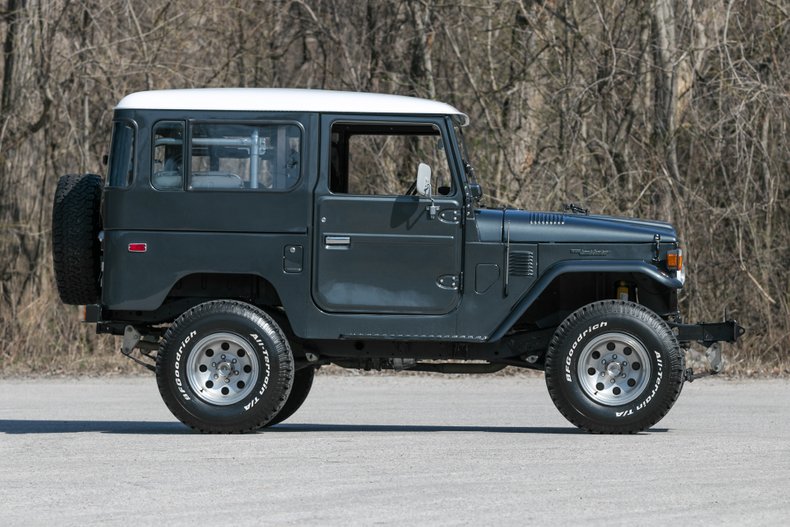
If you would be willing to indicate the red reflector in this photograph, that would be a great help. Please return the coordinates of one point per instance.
(138, 247)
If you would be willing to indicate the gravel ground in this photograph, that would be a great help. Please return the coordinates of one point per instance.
(391, 449)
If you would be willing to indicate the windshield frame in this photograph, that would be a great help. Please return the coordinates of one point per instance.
(469, 170)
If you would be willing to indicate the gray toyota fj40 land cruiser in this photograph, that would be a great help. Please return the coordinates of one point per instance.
(245, 237)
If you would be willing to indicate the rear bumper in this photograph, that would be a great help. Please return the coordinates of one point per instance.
(92, 313)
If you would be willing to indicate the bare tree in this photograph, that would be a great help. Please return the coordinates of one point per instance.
(676, 109)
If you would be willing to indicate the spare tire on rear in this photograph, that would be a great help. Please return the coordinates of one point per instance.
(76, 250)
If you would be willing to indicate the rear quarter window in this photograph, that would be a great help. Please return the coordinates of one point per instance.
(234, 156)
(167, 172)
(121, 169)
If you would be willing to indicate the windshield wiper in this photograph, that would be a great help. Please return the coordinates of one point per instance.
(575, 209)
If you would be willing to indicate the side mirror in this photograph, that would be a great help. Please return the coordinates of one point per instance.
(476, 190)
(424, 180)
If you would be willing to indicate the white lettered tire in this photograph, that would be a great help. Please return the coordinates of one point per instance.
(225, 367)
(614, 367)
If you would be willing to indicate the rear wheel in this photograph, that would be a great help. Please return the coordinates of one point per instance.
(614, 367)
(225, 366)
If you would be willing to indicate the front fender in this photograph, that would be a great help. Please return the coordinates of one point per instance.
(597, 266)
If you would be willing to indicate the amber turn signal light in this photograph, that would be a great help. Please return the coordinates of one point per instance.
(675, 260)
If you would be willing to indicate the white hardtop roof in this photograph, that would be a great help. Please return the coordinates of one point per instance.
(285, 100)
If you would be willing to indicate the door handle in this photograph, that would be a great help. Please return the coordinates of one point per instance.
(337, 240)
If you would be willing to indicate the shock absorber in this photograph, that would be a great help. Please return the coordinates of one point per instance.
(622, 292)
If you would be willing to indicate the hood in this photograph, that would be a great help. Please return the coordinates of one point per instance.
(569, 228)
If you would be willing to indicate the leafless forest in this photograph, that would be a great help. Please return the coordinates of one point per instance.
(671, 109)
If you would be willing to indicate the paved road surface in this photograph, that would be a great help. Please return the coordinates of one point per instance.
(391, 450)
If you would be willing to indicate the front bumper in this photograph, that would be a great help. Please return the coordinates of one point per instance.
(710, 335)
(707, 333)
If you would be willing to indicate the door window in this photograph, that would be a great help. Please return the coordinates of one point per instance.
(382, 159)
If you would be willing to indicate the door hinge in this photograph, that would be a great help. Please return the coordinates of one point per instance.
(452, 216)
(448, 281)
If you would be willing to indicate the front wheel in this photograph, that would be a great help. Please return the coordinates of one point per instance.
(614, 367)
(224, 367)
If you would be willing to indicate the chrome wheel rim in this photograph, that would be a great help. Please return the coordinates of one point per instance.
(222, 369)
(614, 369)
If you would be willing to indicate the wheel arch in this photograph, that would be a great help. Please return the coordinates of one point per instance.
(250, 287)
(660, 295)
(196, 288)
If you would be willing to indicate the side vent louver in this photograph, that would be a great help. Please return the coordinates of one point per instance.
(546, 218)
(522, 263)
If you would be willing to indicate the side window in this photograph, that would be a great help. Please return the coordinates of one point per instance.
(121, 154)
(245, 156)
(382, 159)
(167, 172)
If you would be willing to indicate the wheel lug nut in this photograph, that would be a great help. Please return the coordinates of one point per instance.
(236, 372)
(625, 364)
(233, 361)
(227, 379)
(622, 375)
(213, 364)
(223, 357)
(612, 381)
(603, 361)
(614, 357)
(603, 374)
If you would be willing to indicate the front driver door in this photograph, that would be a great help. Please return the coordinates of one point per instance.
(379, 247)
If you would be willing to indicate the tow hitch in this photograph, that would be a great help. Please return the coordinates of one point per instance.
(147, 344)
(710, 335)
